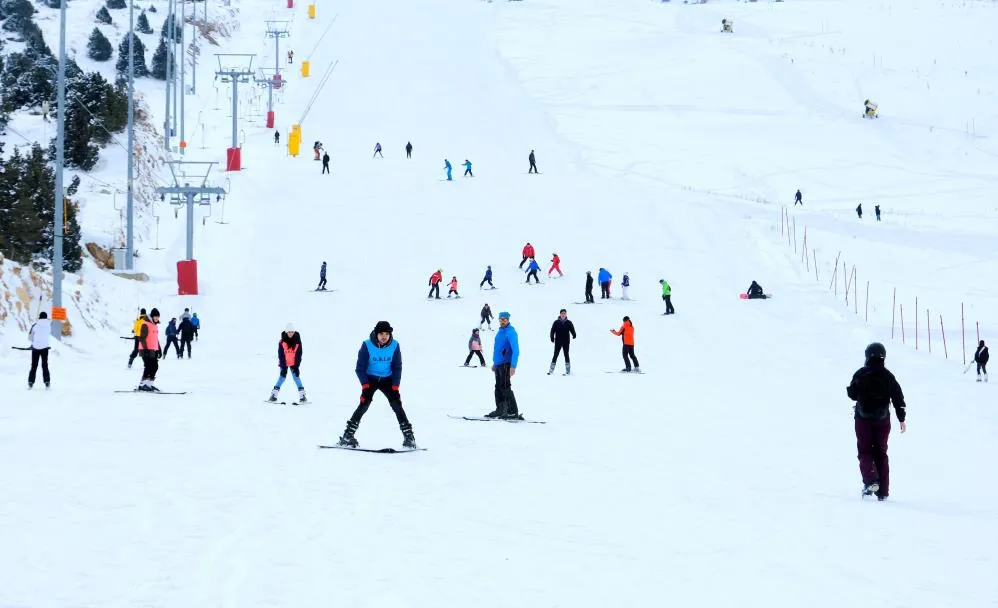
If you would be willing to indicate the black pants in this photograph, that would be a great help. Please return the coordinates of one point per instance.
(669, 310)
(39, 354)
(453, 291)
(523, 261)
(533, 167)
(325, 167)
(184, 342)
(628, 351)
(604, 289)
(589, 296)
(322, 283)
(472, 354)
(408, 153)
(485, 320)
(176, 346)
(135, 350)
(505, 399)
(532, 273)
(377, 153)
(150, 365)
(468, 172)
(558, 347)
(484, 281)
(982, 368)
(434, 289)
(385, 386)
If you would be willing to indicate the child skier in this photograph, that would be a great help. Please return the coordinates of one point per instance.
(626, 333)
(475, 348)
(486, 316)
(377, 150)
(379, 368)
(487, 278)
(467, 168)
(624, 284)
(196, 322)
(873, 388)
(289, 353)
(555, 266)
(532, 270)
(39, 334)
(452, 288)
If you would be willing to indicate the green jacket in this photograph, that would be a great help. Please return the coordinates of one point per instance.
(666, 289)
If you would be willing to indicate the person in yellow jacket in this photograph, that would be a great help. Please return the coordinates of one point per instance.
(667, 296)
(136, 329)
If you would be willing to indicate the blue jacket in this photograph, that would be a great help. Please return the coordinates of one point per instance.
(379, 361)
(626, 281)
(533, 265)
(506, 348)
(195, 321)
(171, 330)
(604, 275)
(488, 274)
(322, 271)
(467, 164)
(447, 164)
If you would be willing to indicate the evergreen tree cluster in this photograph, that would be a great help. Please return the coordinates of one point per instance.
(27, 212)
(142, 24)
(103, 16)
(95, 109)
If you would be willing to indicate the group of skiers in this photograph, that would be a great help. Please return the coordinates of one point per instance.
(799, 200)
(146, 343)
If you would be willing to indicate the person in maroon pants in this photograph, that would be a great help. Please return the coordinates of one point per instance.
(874, 388)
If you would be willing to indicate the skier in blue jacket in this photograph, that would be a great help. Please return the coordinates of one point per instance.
(448, 168)
(467, 168)
(379, 368)
(604, 279)
(505, 355)
(322, 278)
(171, 338)
(487, 279)
(532, 269)
(196, 322)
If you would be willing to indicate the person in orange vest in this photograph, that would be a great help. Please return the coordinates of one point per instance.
(289, 351)
(626, 333)
(149, 350)
(435, 279)
(555, 265)
(528, 252)
(453, 288)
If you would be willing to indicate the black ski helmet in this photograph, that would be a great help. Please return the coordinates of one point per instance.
(875, 350)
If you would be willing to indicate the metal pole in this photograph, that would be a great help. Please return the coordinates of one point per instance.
(169, 62)
(173, 53)
(270, 95)
(129, 230)
(59, 163)
(235, 110)
(183, 62)
(277, 54)
(194, 45)
(190, 223)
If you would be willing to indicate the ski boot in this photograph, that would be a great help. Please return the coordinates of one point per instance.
(637, 370)
(512, 416)
(408, 439)
(978, 378)
(273, 395)
(48, 385)
(32, 384)
(985, 377)
(871, 488)
(495, 414)
(301, 396)
(568, 369)
(881, 498)
(551, 369)
(348, 440)
(626, 370)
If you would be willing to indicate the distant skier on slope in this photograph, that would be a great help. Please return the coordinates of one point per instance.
(289, 355)
(486, 316)
(555, 265)
(186, 332)
(39, 335)
(408, 149)
(325, 163)
(755, 292)
(322, 278)
(435, 279)
(379, 368)
(981, 357)
(533, 163)
(196, 322)
(589, 288)
(532, 270)
(449, 169)
(487, 278)
(797, 199)
(859, 210)
(467, 168)
(150, 351)
(604, 279)
(626, 333)
(475, 348)
(667, 296)
(624, 284)
(136, 328)
(528, 252)
(452, 288)
(873, 388)
(172, 339)
(562, 334)
(377, 150)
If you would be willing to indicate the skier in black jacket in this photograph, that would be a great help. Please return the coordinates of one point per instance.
(186, 330)
(873, 388)
(589, 288)
(981, 359)
(562, 334)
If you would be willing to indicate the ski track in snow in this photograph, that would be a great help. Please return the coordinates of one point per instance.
(730, 460)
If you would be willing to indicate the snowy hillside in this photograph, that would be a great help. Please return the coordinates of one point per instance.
(724, 475)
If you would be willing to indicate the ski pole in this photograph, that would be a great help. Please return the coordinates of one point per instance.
(967, 369)
(21, 348)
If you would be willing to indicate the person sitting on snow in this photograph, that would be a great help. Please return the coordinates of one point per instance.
(755, 292)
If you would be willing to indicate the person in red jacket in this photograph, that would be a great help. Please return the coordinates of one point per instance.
(435, 279)
(555, 266)
(528, 252)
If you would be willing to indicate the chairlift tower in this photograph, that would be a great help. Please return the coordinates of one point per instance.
(186, 193)
(277, 30)
(235, 68)
(270, 82)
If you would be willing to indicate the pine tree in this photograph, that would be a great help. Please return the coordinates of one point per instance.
(140, 57)
(159, 61)
(80, 151)
(165, 30)
(22, 228)
(116, 4)
(143, 24)
(103, 16)
(99, 48)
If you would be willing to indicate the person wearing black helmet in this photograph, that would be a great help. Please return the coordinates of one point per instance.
(379, 368)
(873, 388)
(981, 359)
(149, 350)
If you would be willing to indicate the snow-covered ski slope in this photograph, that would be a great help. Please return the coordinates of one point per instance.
(723, 476)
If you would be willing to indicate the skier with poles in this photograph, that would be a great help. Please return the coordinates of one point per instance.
(150, 351)
(39, 334)
(289, 354)
(981, 357)
(136, 328)
(379, 368)
(874, 388)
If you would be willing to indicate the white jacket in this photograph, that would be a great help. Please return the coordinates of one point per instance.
(40, 333)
